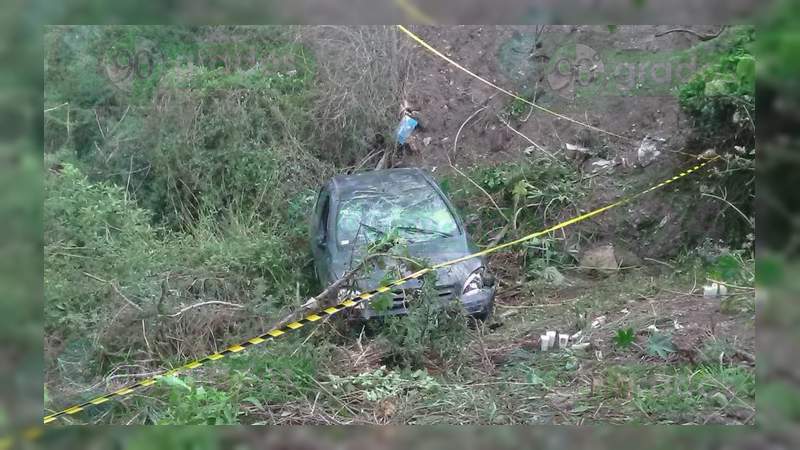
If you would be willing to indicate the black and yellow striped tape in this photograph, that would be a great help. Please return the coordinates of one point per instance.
(351, 302)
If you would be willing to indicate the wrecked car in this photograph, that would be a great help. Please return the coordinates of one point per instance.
(353, 212)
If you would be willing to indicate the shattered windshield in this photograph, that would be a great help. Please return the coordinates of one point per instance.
(418, 214)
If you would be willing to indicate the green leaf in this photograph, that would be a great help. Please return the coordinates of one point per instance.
(660, 345)
(746, 70)
(173, 381)
(520, 189)
(624, 338)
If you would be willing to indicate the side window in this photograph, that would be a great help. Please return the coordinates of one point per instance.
(324, 206)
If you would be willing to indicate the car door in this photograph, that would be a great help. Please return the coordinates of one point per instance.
(320, 236)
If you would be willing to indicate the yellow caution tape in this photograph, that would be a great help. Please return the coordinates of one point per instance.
(352, 302)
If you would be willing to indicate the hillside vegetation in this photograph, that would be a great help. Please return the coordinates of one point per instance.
(182, 165)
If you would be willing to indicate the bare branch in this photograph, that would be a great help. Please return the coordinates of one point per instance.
(210, 302)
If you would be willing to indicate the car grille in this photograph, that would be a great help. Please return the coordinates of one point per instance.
(401, 297)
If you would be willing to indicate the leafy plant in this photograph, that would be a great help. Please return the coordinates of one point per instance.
(660, 344)
(430, 328)
(382, 383)
(725, 88)
(493, 179)
(190, 404)
(624, 337)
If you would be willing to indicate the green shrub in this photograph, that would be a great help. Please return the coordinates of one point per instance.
(721, 98)
(429, 330)
(189, 403)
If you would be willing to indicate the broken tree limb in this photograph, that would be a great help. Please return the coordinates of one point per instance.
(330, 295)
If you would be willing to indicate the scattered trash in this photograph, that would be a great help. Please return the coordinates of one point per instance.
(577, 153)
(653, 328)
(599, 355)
(598, 164)
(406, 127)
(544, 342)
(427, 141)
(599, 322)
(715, 290)
(676, 325)
(648, 150)
(576, 148)
(625, 311)
(552, 340)
(576, 336)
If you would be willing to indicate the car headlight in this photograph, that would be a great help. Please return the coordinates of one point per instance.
(474, 281)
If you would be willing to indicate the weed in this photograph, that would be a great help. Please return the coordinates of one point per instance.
(692, 396)
(517, 109)
(381, 383)
(660, 344)
(429, 327)
(723, 95)
(191, 404)
(624, 337)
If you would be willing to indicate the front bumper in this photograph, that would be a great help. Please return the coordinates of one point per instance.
(475, 302)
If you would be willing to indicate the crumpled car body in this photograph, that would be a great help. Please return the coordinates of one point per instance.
(354, 211)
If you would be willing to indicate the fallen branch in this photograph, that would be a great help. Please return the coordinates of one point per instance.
(749, 222)
(116, 288)
(702, 37)
(330, 294)
(210, 302)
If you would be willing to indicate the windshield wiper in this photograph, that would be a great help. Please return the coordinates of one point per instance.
(371, 228)
(421, 230)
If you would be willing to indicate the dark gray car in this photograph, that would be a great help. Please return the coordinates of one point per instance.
(355, 210)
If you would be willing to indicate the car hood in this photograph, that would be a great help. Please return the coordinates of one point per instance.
(431, 252)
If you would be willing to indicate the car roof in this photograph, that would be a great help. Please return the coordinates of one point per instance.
(383, 180)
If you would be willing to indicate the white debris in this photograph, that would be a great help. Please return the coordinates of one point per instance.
(599, 322)
(427, 141)
(648, 150)
(600, 164)
(544, 342)
(652, 328)
(552, 339)
(563, 340)
(676, 325)
(715, 290)
(576, 148)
